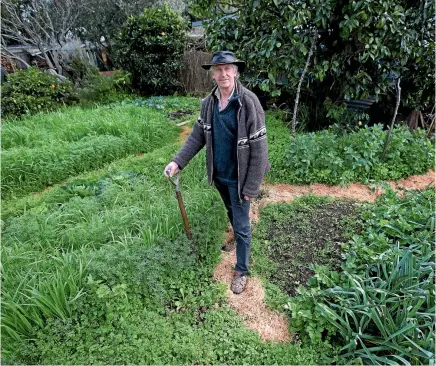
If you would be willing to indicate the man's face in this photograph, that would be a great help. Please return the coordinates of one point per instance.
(224, 75)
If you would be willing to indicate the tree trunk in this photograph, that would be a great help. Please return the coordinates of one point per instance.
(297, 97)
(413, 119)
(388, 137)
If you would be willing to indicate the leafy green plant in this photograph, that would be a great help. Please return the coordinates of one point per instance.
(386, 315)
(31, 90)
(81, 70)
(360, 47)
(379, 308)
(38, 296)
(99, 89)
(150, 47)
(327, 157)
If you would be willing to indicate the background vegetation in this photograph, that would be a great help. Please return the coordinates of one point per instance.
(151, 48)
(359, 49)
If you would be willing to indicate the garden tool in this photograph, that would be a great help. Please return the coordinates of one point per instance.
(176, 182)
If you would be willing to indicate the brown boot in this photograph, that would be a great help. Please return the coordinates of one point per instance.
(239, 283)
(229, 247)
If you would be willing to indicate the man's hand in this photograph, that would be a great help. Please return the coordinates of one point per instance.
(247, 198)
(172, 168)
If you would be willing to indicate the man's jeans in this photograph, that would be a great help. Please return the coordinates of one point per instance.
(239, 216)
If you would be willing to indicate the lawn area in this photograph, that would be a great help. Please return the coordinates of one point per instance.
(96, 266)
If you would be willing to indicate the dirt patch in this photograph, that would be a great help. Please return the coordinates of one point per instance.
(298, 236)
(355, 191)
(250, 305)
(186, 130)
(178, 114)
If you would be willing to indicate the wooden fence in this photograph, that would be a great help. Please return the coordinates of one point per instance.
(193, 77)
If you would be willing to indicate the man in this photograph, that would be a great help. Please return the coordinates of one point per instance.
(232, 126)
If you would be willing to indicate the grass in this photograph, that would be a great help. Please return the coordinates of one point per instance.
(97, 269)
(45, 149)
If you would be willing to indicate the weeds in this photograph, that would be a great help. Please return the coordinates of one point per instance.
(324, 157)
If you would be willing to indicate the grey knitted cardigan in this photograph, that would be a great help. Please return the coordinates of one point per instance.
(252, 150)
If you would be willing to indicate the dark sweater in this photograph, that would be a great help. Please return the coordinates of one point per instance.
(225, 140)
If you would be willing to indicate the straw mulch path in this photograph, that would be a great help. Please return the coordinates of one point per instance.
(250, 305)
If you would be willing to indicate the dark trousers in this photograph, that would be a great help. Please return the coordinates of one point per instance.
(239, 216)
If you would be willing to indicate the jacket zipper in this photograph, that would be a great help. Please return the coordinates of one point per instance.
(237, 152)
(211, 144)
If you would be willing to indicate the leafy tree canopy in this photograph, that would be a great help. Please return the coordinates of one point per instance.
(151, 47)
(361, 46)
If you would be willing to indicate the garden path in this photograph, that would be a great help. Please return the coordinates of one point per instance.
(250, 305)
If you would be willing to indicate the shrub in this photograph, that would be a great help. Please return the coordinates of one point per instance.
(32, 90)
(80, 70)
(151, 47)
(103, 89)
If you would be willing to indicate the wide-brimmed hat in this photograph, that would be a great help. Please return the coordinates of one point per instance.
(224, 57)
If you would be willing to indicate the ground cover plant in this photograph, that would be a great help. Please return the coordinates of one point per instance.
(379, 305)
(331, 158)
(97, 269)
(47, 148)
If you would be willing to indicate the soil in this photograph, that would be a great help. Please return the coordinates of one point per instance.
(250, 305)
(313, 235)
(184, 133)
(178, 114)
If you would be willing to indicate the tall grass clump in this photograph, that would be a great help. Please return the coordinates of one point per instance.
(47, 149)
(327, 157)
(381, 307)
(37, 286)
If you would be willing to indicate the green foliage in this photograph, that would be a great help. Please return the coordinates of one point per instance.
(160, 103)
(47, 149)
(150, 47)
(104, 89)
(378, 327)
(81, 70)
(360, 48)
(148, 296)
(326, 157)
(31, 90)
(380, 308)
(105, 18)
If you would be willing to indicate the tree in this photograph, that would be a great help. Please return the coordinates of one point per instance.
(45, 24)
(105, 18)
(363, 46)
(151, 47)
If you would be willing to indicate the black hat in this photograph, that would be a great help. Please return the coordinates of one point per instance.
(225, 57)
